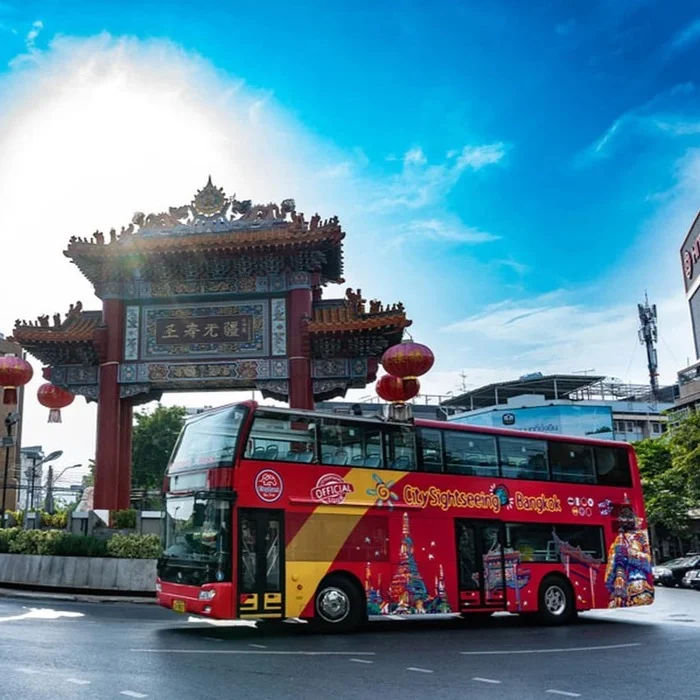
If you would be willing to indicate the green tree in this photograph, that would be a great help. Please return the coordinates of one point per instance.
(685, 454)
(154, 437)
(665, 489)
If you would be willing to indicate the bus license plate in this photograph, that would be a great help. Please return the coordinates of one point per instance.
(179, 606)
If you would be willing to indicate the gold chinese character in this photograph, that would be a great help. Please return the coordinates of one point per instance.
(170, 331)
(231, 328)
(191, 330)
(211, 330)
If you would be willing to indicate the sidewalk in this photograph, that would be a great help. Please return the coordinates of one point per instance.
(80, 597)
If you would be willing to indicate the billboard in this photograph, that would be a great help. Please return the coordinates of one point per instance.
(583, 421)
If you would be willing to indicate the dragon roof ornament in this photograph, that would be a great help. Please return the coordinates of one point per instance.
(212, 211)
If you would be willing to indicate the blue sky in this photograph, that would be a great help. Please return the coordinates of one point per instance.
(517, 173)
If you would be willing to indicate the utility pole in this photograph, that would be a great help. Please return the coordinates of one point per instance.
(648, 335)
(8, 442)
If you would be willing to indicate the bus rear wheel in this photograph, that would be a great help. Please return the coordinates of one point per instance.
(556, 601)
(338, 605)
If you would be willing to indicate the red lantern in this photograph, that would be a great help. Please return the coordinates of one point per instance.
(397, 389)
(14, 372)
(408, 360)
(55, 398)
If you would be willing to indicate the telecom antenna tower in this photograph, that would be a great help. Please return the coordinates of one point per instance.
(648, 336)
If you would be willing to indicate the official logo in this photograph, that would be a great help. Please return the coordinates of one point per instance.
(331, 489)
(508, 419)
(268, 485)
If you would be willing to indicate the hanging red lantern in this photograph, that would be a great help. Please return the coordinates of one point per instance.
(408, 360)
(14, 372)
(55, 398)
(397, 389)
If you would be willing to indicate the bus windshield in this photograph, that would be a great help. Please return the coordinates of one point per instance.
(208, 440)
(197, 539)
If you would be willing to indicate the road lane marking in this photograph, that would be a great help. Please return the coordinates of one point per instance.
(485, 680)
(214, 639)
(551, 651)
(42, 614)
(258, 646)
(564, 692)
(133, 694)
(251, 651)
(417, 669)
(362, 661)
(78, 681)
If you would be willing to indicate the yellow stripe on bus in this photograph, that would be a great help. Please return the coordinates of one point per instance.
(315, 546)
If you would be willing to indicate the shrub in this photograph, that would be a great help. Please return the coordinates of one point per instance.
(56, 520)
(16, 517)
(7, 535)
(79, 546)
(134, 546)
(34, 541)
(124, 519)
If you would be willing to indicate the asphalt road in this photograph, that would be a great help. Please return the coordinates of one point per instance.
(55, 649)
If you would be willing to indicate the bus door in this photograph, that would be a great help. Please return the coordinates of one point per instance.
(480, 564)
(260, 563)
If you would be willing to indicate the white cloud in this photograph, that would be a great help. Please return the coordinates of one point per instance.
(443, 230)
(686, 36)
(421, 183)
(556, 333)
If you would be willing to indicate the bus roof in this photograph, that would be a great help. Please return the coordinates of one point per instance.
(423, 423)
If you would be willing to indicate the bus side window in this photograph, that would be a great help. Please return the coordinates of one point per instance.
(283, 438)
(401, 443)
(349, 443)
(571, 462)
(431, 449)
(612, 466)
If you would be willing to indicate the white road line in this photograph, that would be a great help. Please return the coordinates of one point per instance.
(485, 680)
(250, 651)
(551, 651)
(564, 692)
(78, 681)
(214, 639)
(362, 661)
(133, 694)
(418, 670)
(258, 646)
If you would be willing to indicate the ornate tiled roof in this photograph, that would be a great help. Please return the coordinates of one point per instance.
(212, 222)
(350, 314)
(70, 339)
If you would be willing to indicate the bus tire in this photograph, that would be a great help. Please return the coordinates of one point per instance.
(556, 601)
(339, 605)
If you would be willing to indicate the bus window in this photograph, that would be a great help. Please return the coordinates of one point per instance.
(401, 445)
(538, 541)
(612, 466)
(431, 449)
(523, 459)
(352, 444)
(282, 437)
(571, 462)
(470, 453)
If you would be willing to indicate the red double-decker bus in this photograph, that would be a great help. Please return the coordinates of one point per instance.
(277, 513)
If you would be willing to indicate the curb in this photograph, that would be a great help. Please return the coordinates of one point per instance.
(75, 597)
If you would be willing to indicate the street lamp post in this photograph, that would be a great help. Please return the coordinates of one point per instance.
(48, 504)
(10, 420)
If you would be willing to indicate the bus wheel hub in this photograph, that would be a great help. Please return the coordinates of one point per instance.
(333, 604)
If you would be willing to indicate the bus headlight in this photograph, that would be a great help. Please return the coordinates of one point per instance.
(207, 595)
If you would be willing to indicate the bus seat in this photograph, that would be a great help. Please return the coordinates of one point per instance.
(259, 453)
(402, 462)
(306, 456)
(340, 457)
(358, 459)
(271, 452)
(291, 456)
(327, 458)
(373, 460)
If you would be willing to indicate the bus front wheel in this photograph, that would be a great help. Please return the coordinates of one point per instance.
(338, 605)
(556, 601)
